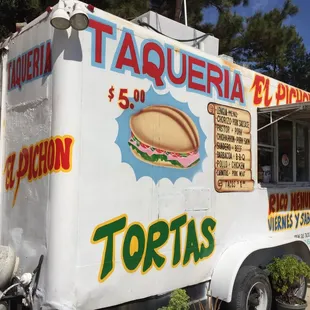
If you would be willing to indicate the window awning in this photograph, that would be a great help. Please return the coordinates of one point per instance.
(295, 111)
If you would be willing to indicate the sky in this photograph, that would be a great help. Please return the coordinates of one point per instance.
(301, 20)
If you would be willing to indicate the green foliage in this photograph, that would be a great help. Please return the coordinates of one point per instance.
(266, 40)
(179, 300)
(227, 30)
(285, 275)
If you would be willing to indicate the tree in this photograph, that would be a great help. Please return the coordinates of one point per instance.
(297, 72)
(123, 8)
(266, 42)
(227, 30)
(13, 11)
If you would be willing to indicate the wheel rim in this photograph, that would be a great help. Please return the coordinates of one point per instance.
(257, 298)
(300, 291)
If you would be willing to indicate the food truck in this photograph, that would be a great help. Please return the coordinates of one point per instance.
(135, 163)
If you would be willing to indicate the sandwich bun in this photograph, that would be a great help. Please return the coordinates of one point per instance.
(166, 128)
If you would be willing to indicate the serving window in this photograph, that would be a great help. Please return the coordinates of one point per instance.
(283, 144)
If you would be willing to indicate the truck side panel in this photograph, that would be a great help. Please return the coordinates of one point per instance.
(128, 205)
(26, 124)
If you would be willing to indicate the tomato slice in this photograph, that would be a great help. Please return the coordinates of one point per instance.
(145, 146)
(159, 151)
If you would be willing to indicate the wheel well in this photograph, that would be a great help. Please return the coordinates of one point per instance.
(237, 256)
(263, 257)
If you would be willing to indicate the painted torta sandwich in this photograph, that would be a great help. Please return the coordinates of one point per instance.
(164, 136)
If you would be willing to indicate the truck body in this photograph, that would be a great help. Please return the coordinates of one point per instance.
(130, 161)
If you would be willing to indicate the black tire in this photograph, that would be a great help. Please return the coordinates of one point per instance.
(247, 277)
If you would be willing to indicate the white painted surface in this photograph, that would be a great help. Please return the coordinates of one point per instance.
(57, 214)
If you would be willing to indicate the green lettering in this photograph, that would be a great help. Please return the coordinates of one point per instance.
(108, 230)
(207, 229)
(191, 243)
(176, 225)
(134, 233)
(161, 230)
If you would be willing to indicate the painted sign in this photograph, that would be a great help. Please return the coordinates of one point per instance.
(141, 246)
(38, 160)
(289, 210)
(155, 62)
(265, 95)
(159, 136)
(232, 149)
(31, 65)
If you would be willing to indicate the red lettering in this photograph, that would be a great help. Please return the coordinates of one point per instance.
(18, 72)
(132, 61)
(292, 95)
(63, 154)
(35, 167)
(43, 159)
(149, 67)
(215, 80)
(280, 94)
(36, 58)
(278, 202)
(299, 95)
(267, 99)
(170, 64)
(48, 58)
(51, 155)
(300, 201)
(192, 73)
(24, 67)
(261, 87)
(30, 165)
(305, 97)
(41, 59)
(29, 63)
(293, 202)
(13, 75)
(9, 172)
(286, 93)
(9, 75)
(23, 164)
(226, 83)
(237, 91)
(100, 29)
(283, 202)
(272, 201)
(258, 83)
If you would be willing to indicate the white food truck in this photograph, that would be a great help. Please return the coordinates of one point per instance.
(135, 164)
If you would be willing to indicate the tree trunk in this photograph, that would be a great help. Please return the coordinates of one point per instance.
(178, 10)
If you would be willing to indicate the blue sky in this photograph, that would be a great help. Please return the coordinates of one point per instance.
(301, 20)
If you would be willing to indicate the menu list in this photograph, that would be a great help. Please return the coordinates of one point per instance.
(232, 149)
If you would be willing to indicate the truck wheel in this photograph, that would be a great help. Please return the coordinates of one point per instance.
(251, 291)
